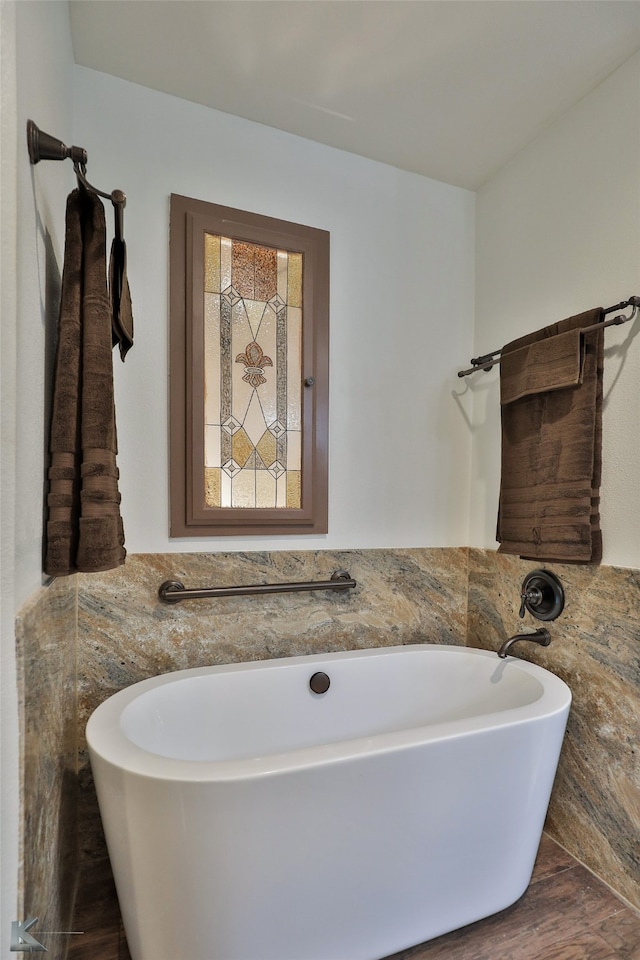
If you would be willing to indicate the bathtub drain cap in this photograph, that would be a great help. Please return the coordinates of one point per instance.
(319, 682)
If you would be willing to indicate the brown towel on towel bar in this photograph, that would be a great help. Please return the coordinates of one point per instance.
(550, 364)
(551, 395)
(122, 314)
(84, 528)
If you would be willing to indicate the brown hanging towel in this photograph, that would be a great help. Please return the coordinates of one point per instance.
(84, 528)
(551, 411)
(122, 313)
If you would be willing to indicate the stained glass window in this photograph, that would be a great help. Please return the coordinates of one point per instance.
(253, 374)
(249, 372)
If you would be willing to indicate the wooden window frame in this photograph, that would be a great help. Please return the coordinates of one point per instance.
(189, 515)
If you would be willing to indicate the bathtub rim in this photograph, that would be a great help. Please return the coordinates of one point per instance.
(108, 744)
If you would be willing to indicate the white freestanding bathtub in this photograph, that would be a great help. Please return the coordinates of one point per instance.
(249, 818)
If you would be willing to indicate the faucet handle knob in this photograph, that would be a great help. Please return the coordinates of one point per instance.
(523, 605)
(530, 598)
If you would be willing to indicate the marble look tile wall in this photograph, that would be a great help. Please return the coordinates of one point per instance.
(124, 633)
(46, 661)
(595, 648)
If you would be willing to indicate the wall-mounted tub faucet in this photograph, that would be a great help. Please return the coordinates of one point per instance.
(541, 636)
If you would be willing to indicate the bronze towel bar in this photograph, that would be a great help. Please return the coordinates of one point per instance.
(487, 361)
(42, 146)
(172, 591)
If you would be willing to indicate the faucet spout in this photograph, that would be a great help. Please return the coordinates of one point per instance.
(541, 636)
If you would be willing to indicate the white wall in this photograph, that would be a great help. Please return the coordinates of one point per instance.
(9, 774)
(401, 311)
(558, 232)
(36, 77)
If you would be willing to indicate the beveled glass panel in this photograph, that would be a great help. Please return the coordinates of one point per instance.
(294, 383)
(253, 371)
(294, 285)
(266, 449)
(243, 486)
(241, 447)
(211, 446)
(212, 487)
(225, 262)
(293, 488)
(265, 489)
(225, 489)
(211, 263)
(266, 273)
(294, 449)
(212, 356)
(242, 269)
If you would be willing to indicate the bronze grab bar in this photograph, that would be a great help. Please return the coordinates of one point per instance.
(487, 361)
(172, 591)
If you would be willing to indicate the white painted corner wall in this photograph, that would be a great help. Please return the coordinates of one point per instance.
(36, 82)
(558, 232)
(401, 311)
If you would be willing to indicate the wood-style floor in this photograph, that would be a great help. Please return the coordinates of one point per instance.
(566, 914)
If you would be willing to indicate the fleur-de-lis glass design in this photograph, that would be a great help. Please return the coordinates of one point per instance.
(254, 360)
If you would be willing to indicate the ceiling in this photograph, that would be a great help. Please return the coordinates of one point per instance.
(451, 89)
